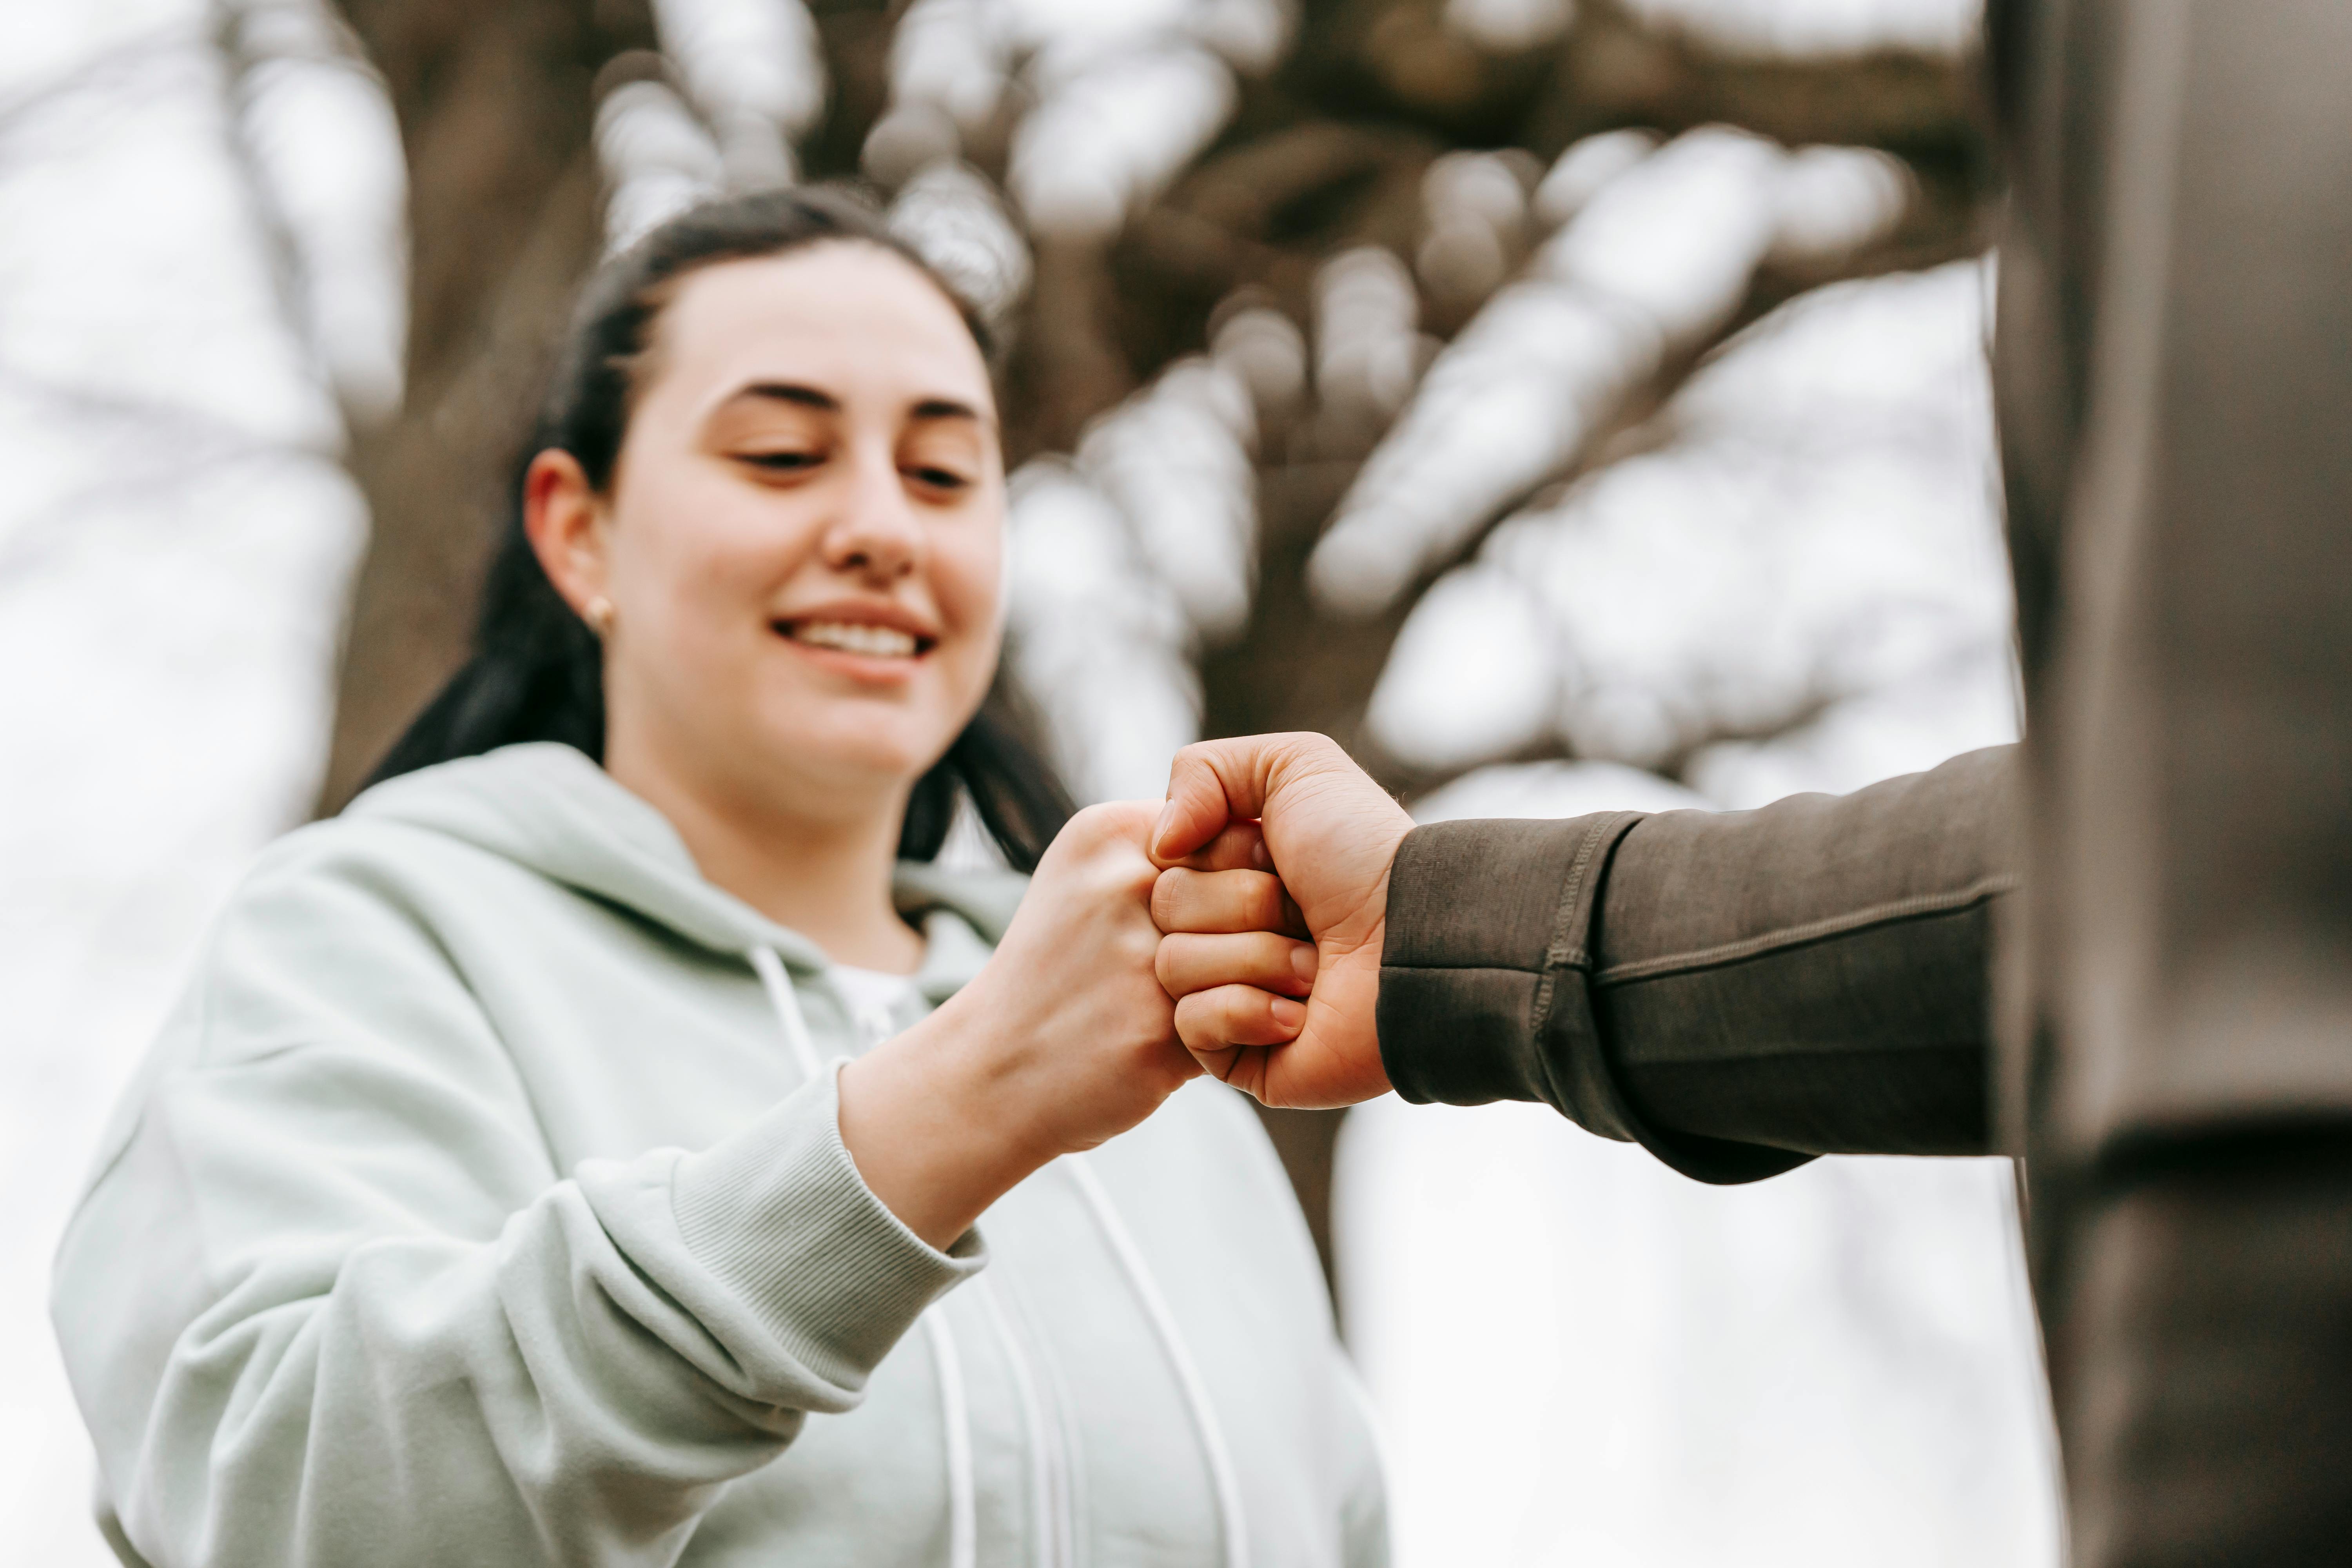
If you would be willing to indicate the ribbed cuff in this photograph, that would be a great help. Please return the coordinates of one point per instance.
(1485, 969)
(1487, 981)
(778, 1215)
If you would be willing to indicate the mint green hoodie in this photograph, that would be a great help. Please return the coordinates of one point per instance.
(483, 1202)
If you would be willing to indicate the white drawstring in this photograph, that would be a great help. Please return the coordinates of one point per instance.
(955, 1418)
(1223, 1477)
(787, 1006)
(1044, 1486)
(955, 1421)
(1375, 1424)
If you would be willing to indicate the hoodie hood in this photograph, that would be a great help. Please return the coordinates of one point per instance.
(547, 807)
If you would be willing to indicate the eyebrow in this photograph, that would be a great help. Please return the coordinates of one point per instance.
(806, 396)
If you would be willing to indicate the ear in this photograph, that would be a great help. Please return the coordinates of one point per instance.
(565, 523)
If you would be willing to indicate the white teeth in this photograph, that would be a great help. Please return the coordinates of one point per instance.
(851, 636)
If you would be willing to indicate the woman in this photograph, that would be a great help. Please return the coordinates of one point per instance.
(550, 1162)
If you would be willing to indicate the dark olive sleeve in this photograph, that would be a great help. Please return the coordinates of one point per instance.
(1735, 991)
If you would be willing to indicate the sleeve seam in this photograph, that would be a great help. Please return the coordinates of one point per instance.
(1811, 1053)
(1562, 953)
(1923, 906)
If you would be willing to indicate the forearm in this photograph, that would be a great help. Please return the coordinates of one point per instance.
(1738, 992)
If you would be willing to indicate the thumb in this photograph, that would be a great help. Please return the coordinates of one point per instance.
(1213, 783)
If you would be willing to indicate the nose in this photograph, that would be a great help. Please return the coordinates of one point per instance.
(875, 535)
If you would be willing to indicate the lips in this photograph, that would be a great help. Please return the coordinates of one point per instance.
(848, 637)
(863, 633)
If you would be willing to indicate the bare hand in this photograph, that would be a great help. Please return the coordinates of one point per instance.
(1329, 834)
(1064, 1039)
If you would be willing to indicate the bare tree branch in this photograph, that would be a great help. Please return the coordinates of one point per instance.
(111, 71)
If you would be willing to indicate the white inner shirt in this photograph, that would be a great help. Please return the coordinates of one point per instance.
(877, 1000)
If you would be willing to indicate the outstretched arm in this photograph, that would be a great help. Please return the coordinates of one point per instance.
(1735, 991)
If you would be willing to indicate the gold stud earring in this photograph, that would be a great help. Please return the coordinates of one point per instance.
(598, 613)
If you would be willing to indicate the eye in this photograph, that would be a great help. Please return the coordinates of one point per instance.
(936, 478)
(780, 462)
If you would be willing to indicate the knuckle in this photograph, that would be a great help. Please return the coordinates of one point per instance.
(1197, 1022)
(1104, 823)
(1167, 902)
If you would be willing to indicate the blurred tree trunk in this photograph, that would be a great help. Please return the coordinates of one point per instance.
(497, 110)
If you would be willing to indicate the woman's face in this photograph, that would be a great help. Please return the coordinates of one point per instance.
(804, 539)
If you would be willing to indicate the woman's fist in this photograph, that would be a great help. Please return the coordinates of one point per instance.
(1064, 1039)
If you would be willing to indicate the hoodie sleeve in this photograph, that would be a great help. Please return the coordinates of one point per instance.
(327, 1301)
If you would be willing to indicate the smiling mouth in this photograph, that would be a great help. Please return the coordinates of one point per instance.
(861, 637)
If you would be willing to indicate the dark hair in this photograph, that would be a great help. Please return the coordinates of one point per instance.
(537, 671)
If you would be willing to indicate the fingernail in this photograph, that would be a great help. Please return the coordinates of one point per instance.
(1287, 1014)
(1302, 963)
(1261, 856)
(1160, 828)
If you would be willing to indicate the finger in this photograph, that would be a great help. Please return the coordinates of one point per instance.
(1213, 783)
(1238, 847)
(1187, 962)
(1211, 1024)
(1186, 900)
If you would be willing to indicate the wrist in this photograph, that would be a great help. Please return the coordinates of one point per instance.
(936, 1122)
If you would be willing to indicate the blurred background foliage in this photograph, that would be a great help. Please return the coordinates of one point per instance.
(1176, 169)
